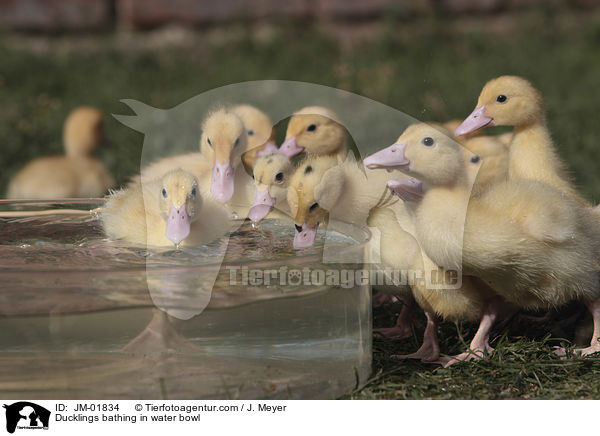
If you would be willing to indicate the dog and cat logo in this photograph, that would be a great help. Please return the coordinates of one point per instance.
(26, 415)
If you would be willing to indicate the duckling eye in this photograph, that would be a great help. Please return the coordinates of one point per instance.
(250, 132)
(313, 206)
(164, 192)
(279, 177)
(209, 143)
(501, 98)
(193, 193)
(237, 142)
(311, 128)
(428, 141)
(475, 159)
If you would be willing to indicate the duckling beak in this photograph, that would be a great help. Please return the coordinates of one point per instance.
(268, 149)
(305, 237)
(263, 203)
(408, 189)
(290, 147)
(178, 224)
(392, 157)
(221, 186)
(477, 120)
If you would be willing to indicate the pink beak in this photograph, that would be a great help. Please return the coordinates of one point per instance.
(391, 158)
(268, 149)
(290, 148)
(409, 189)
(476, 120)
(263, 203)
(178, 224)
(221, 186)
(306, 237)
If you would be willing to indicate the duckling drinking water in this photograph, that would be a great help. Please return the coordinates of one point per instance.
(271, 176)
(78, 174)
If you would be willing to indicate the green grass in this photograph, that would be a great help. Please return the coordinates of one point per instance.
(431, 68)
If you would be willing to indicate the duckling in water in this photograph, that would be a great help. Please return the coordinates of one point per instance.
(314, 130)
(259, 128)
(271, 176)
(529, 242)
(78, 174)
(163, 212)
(218, 164)
(513, 101)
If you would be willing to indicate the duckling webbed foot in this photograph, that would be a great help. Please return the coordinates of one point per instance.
(480, 345)
(594, 347)
(429, 352)
(405, 323)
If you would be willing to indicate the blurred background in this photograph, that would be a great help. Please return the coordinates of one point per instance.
(428, 58)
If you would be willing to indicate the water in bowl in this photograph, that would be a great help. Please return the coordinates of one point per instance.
(85, 317)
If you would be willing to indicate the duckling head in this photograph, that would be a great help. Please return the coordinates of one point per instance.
(224, 139)
(314, 188)
(505, 101)
(179, 203)
(314, 130)
(271, 176)
(83, 131)
(259, 128)
(424, 152)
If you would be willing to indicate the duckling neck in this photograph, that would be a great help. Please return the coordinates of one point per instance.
(532, 156)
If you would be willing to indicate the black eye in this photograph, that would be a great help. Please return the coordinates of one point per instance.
(164, 192)
(209, 143)
(311, 128)
(237, 142)
(428, 141)
(250, 132)
(313, 206)
(193, 193)
(501, 98)
(475, 159)
(279, 177)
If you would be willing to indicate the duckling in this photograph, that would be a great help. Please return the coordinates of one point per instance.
(259, 128)
(493, 154)
(513, 101)
(314, 130)
(529, 242)
(163, 212)
(77, 174)
(272, 174)
(218, 164)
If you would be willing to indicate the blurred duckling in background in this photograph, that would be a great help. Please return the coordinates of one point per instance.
(314, 130)
(530, 243)
(164, 212)
(259, 128)
(76, 175)
(272, 174)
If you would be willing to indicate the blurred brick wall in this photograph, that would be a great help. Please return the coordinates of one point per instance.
(58, 15)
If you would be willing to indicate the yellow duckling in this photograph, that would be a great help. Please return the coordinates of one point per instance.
(314, 130)
(528, 241)
(77, 174)
(272, 174)
(163, 212)
(261, 137)
(513, 101)
(494, 161)
(218, 164)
